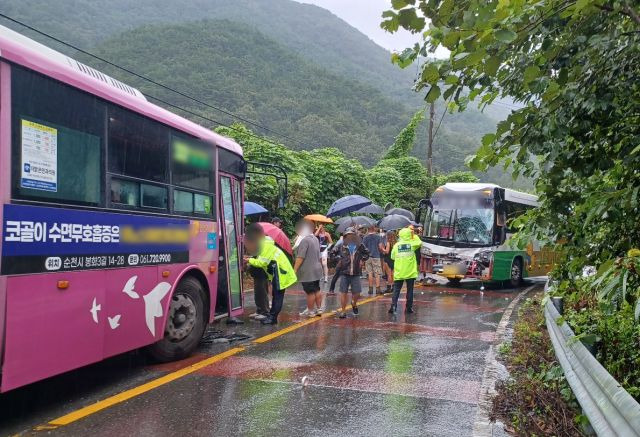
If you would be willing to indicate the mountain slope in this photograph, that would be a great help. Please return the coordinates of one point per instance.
(311, 31)
(249, 74)
(371, 99)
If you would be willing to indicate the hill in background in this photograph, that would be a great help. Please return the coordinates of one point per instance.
(295, 68)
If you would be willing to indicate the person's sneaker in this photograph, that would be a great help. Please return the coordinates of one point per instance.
(342, 315)
(370, 290)
(355, 309)
(319, 312)
(307, 313)
(378, 291)
(392, 310)
(260, 317)
(408, 310)
(269, 321)
(253, 316)
(325, 279)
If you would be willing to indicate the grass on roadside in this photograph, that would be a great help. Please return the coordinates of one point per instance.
(536, 400)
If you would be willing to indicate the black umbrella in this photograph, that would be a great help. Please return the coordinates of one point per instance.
(401, 211)
(394, 222)
(371, 209)
(347, 222)
(347, 204)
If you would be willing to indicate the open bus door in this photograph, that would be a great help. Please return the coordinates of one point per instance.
(231, 175)
(231, 181)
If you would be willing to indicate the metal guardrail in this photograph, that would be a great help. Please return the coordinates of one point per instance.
(610, 409)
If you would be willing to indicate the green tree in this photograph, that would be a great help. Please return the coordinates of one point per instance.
(573, 65)
(406, 139)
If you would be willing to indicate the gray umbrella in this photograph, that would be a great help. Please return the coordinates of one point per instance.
(394, 222)
(347, 222)
(371, 209)
(401, 211)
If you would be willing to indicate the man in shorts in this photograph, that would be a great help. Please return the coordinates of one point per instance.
(353, 254)
(308, 268)
(372, 265)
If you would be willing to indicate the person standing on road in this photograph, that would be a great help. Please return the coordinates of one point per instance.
(405, 268)
(390, 240)
(275, 264)
(350, 265)
(324, 238)
(335, 253)
(260, 292)
(372, 265)
(308, 268)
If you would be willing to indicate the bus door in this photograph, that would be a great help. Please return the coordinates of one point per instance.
(229, 299)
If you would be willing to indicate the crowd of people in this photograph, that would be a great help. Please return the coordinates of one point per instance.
(359, 253)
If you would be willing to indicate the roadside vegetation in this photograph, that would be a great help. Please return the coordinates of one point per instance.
(536, 400)
(320, 176)
(603, 310)
(573, 66)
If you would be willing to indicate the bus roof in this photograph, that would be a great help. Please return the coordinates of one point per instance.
(510, 195)
(24, 51)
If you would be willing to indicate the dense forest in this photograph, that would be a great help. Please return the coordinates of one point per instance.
(294, 68)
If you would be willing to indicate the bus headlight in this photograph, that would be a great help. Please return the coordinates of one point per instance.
(485, 257)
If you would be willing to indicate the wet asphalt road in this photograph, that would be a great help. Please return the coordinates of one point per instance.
(374, 374)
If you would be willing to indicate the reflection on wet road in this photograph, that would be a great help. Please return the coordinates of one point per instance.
(374, 374)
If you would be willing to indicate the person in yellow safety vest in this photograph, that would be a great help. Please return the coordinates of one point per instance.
(274, 262)
(405, 268)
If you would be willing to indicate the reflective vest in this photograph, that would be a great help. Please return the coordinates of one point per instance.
(404, 255)
(270, 253)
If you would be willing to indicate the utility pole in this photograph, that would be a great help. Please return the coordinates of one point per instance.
(432, 113)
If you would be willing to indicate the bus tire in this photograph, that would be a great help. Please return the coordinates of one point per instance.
(185, 324)
(516, 272)
(454, 281)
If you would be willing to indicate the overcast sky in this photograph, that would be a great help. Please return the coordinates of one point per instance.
(366, 15)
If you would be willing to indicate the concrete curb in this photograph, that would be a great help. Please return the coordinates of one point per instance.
(482, 426)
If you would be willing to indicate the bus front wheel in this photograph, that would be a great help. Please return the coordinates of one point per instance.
(185, 322)
(516, 273)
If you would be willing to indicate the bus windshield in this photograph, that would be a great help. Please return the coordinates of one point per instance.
(462, 225)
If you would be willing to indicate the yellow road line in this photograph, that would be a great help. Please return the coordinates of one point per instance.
(136, 391)
(299, 325)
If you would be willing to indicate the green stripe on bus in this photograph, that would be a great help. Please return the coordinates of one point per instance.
(502, 261)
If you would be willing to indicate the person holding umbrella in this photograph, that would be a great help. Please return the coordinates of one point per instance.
(308, 267)
(405, 268)
(324, 238)
(350, 266)
(270, 258)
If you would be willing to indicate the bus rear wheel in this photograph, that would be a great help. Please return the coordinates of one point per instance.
(516, 273)
(185, 323)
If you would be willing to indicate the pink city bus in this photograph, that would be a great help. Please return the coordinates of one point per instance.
(121, 222)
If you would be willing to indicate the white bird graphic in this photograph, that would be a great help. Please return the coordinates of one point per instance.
(94, 310)
(128, 288)
(153, 304)
(114, 321)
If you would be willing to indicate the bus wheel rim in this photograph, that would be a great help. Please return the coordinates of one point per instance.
(515, 270)
(182, 317)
